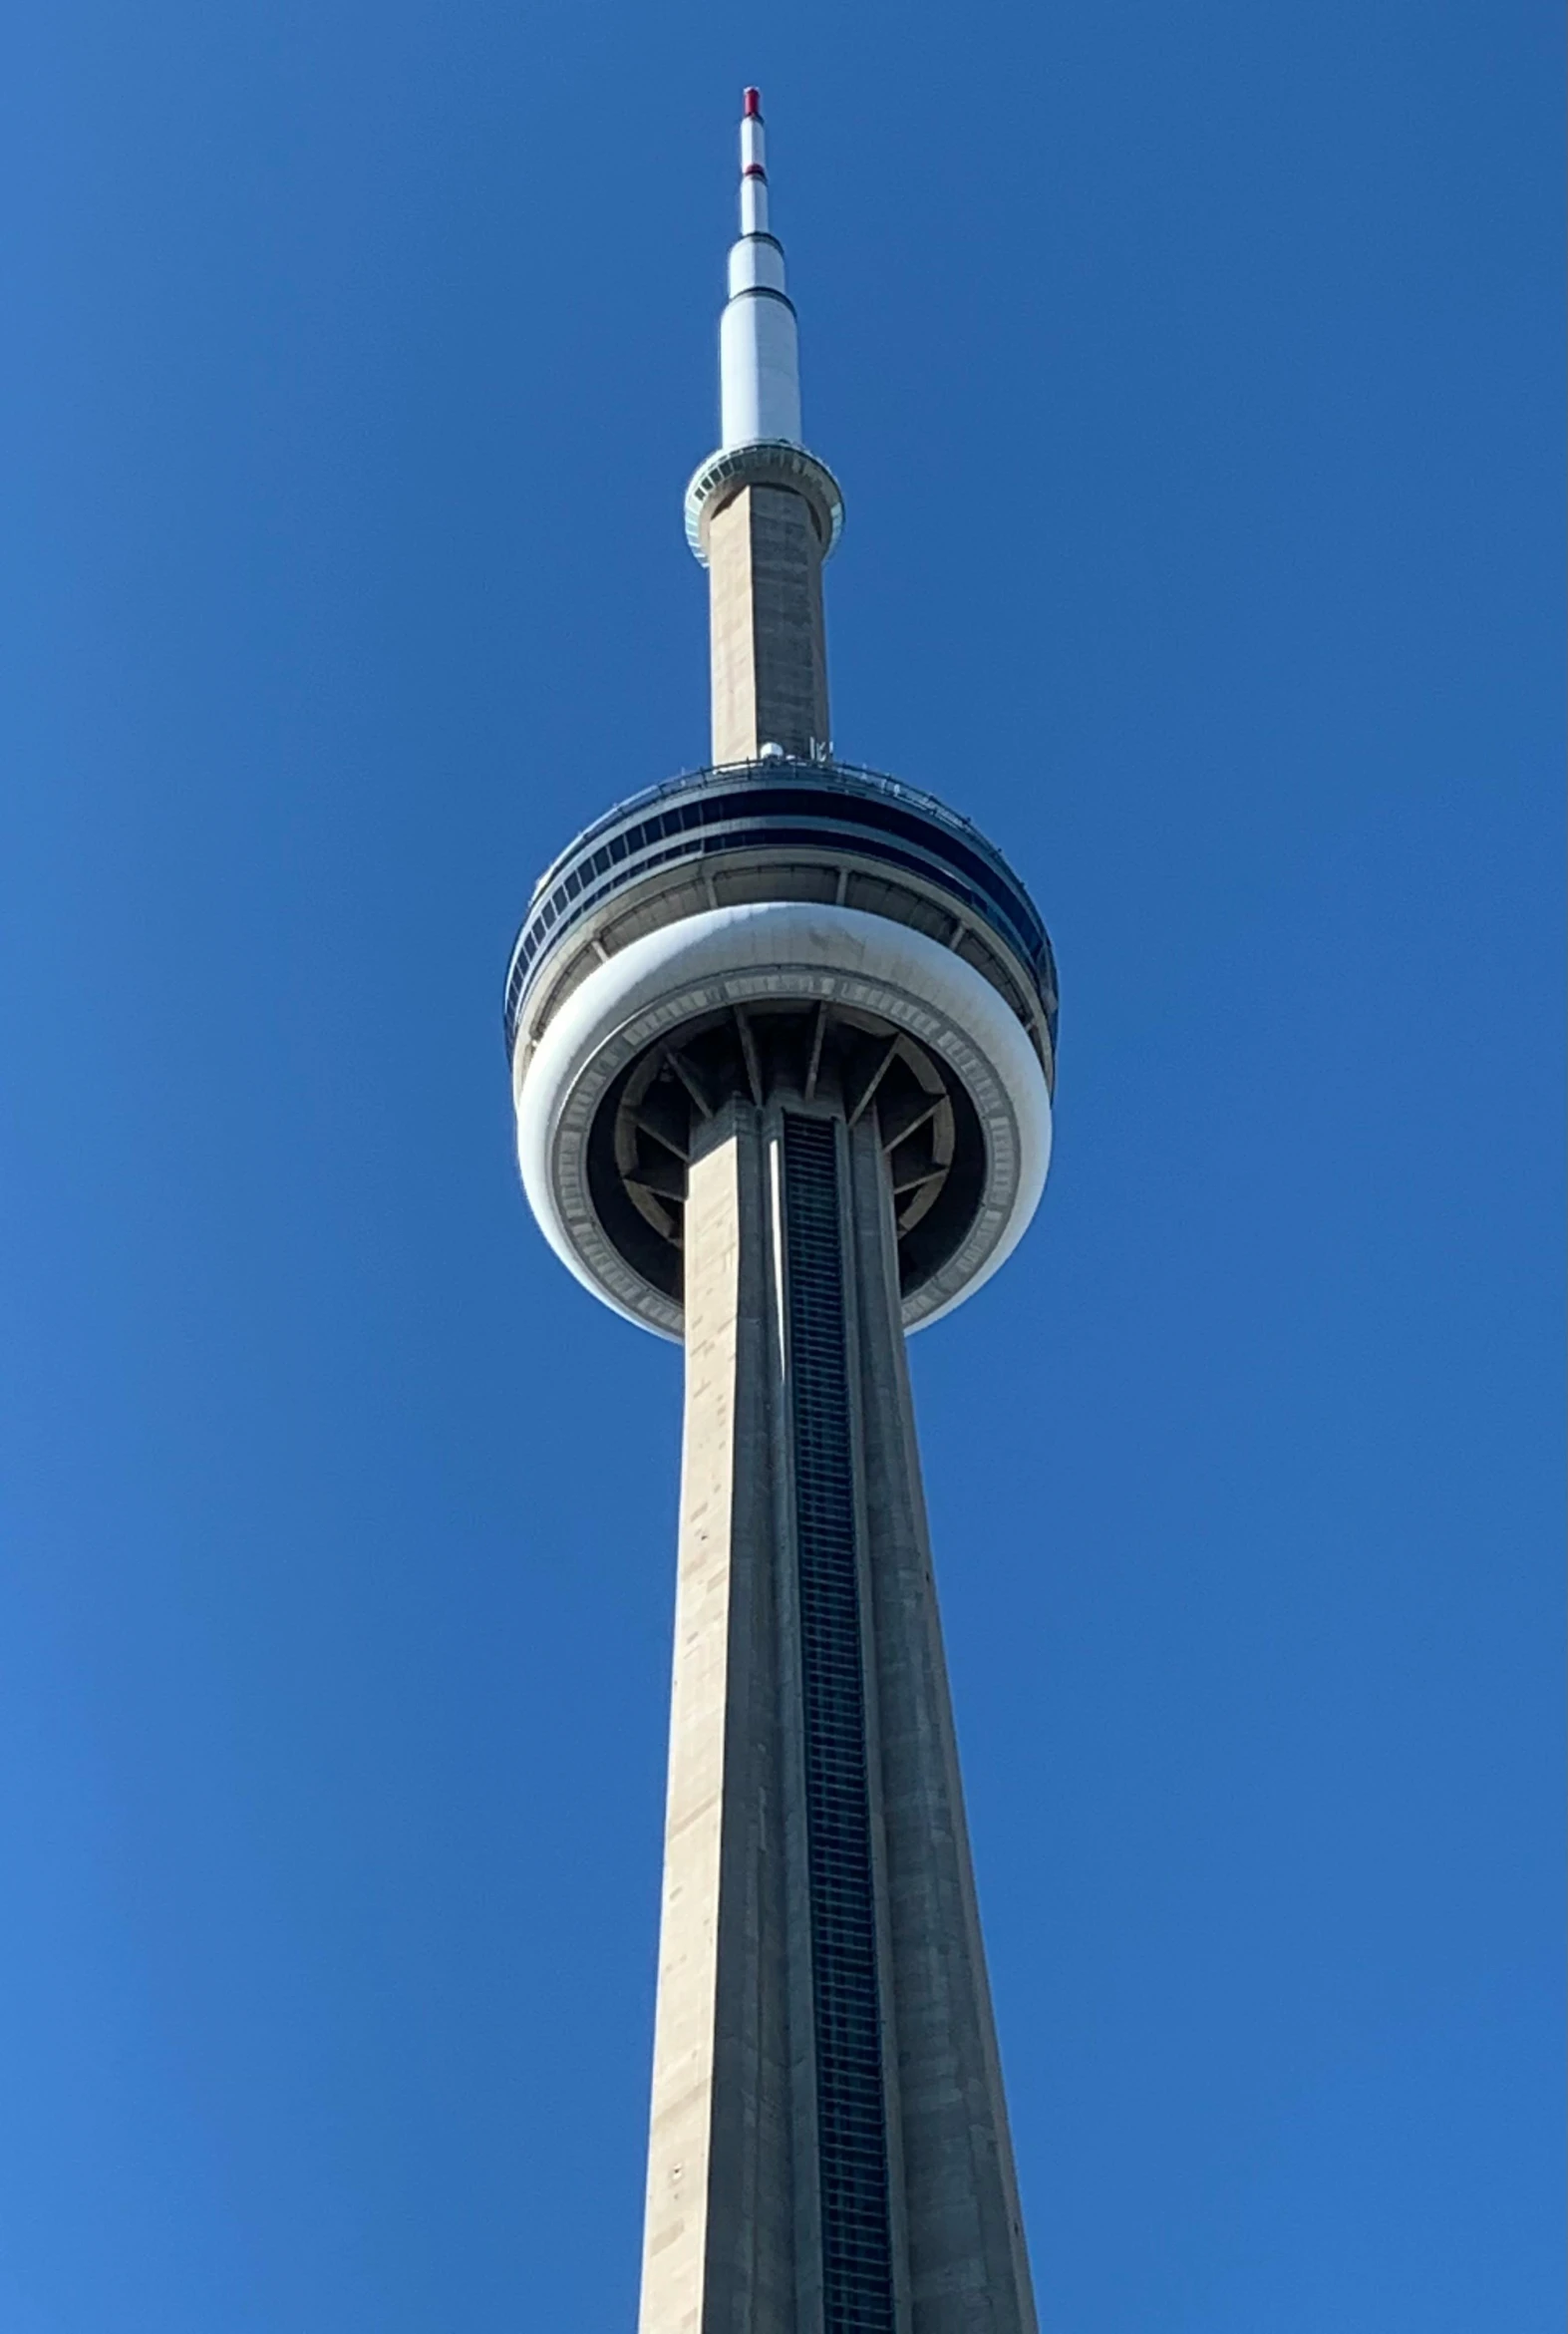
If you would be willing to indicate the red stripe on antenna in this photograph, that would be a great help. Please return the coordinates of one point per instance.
(751, 104)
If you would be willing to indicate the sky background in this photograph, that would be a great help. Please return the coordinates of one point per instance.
(1194, 376)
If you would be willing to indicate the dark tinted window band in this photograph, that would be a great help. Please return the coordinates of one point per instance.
(1029, 941)
(857, 2265)
(717, 806)
(844, 780)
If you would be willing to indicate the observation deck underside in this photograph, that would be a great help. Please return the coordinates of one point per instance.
(649, 1122)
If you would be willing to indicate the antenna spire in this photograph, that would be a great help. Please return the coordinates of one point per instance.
(759, 354)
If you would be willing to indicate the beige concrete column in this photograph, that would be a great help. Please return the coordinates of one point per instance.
(769, 649)
(719, 2251)
(968, 2272)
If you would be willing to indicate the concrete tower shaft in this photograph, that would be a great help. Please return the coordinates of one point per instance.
(767, 640)
(782, 1042)
(830, 2146)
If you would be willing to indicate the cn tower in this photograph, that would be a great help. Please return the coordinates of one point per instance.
(783, 1035)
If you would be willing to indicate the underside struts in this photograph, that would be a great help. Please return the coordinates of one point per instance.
(651, 1122)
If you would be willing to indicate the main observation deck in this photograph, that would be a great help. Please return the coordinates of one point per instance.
(780, 829)
(790, 927)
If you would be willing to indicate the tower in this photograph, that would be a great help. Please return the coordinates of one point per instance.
(781, 1034)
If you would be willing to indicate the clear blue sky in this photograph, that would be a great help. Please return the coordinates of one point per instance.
(1195, 375)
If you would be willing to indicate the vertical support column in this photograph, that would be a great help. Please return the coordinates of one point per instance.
(768, 648)
(719, 2248)
(968, 2269)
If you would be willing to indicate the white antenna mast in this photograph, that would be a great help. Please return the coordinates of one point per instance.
(759, 354)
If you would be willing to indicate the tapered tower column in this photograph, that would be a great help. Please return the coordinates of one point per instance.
(718, 2240)
(830, 2146)
(967, 2267)
(783, 1040)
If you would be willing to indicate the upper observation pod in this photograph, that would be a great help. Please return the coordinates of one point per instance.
(760, 436)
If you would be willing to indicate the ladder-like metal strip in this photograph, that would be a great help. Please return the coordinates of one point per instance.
(857, 2269)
